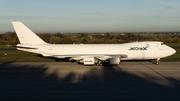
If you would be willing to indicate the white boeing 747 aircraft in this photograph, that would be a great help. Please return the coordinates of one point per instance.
(91, 54)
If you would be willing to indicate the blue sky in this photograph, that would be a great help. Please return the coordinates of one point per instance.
(66, 16)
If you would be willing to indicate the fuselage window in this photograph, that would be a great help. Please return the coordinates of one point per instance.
(162, 44)
(147, 44)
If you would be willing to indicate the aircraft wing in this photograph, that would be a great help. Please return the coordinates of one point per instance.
(99, 56)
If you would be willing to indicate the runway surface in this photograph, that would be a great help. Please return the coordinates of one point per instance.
(57, 81)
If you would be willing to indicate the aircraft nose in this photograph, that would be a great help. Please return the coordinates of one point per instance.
(174, 51)
(171, 51)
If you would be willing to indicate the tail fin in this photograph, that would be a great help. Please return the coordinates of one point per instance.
(25, 35)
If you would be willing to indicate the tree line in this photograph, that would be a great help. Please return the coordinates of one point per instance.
(10, 38)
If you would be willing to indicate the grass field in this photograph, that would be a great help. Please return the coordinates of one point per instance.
(21, 56)
(18, 56)
(173, 44)
(7, 47)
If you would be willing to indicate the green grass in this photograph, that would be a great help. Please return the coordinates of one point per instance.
(21, 56)
(7, 47)
(173, 44)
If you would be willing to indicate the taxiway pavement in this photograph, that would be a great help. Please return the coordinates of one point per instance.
(57, 81)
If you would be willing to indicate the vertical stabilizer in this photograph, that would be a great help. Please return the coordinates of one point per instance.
(25, 35)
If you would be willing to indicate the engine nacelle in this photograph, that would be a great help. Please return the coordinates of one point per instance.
(88, 61)
(114, 61)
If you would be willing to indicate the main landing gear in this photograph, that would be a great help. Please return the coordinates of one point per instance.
(98, 62)
(157, 61)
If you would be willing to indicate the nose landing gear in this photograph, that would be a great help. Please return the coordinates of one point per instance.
(157, 61)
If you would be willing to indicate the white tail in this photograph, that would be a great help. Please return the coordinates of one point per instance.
(25, 35)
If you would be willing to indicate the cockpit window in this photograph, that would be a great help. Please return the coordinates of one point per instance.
(162, 44)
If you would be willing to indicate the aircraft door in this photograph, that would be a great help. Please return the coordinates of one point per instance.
(157, 45)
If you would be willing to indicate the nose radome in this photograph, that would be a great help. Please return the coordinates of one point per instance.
(171, 51)
(174, 51)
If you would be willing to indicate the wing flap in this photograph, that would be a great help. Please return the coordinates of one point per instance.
(99, 56)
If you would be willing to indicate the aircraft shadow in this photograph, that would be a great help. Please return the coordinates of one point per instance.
(24, 81)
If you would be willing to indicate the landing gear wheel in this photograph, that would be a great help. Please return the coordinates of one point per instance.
(157, 62)
(99, 63)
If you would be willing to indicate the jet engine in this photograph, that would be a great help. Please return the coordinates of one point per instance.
(114, 61)
(89, 61)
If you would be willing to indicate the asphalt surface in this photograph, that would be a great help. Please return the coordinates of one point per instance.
(58, 81)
